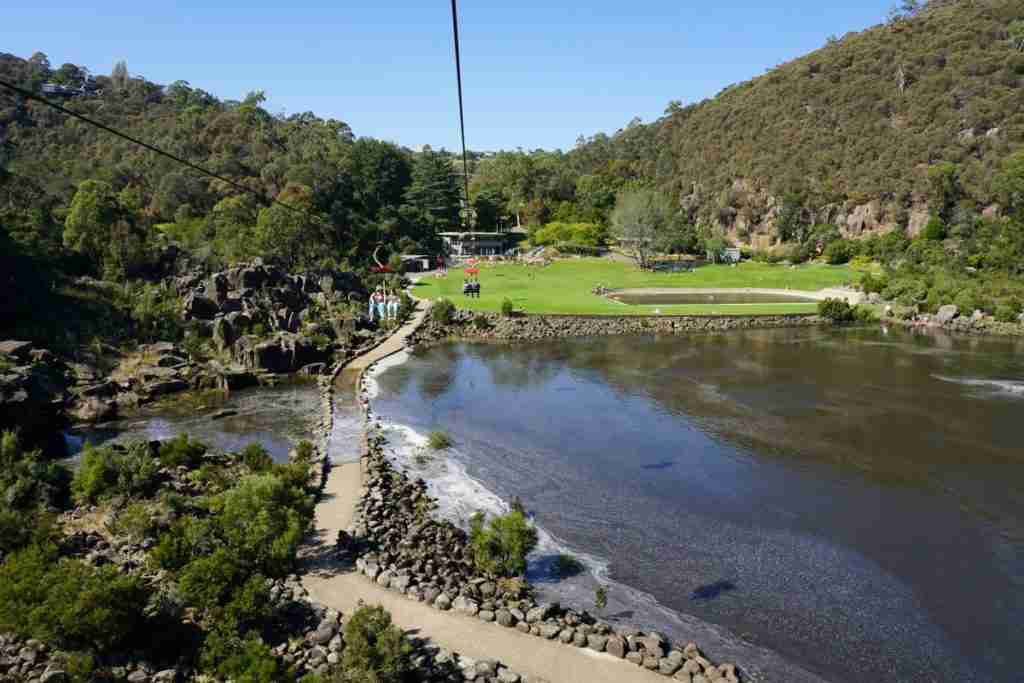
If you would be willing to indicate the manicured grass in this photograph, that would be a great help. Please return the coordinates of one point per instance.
(565, 286)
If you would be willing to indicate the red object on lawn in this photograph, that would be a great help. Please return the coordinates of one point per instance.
(472, 271)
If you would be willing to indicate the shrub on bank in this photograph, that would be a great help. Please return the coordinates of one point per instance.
(442, 312)
(181, 452)
(507, 308)
(835, 310)
(500, 545)
(439, 440)
(130, 471)
(376, 651)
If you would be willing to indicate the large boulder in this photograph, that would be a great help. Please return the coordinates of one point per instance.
(284, 353)
(947, 314)
(30, 398)
(223, 334)
(199, 307)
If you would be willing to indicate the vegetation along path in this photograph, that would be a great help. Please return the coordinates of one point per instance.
(342, 588)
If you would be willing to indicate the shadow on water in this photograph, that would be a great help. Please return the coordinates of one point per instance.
(663, 465)
(552, 568)
(712, 590)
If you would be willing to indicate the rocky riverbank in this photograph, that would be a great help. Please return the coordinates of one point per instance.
(495, 327)
(400, 545)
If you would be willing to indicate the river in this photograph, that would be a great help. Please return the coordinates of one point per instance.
(851, 499)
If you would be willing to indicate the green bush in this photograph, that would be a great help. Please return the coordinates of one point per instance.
(501, 546)
(934, 229)
(507, 308)
(180, 452)
(255, 457)
(245, 660)
(27, 479)
(864, 314)
(442, 312)
(130, 471)
(376, 651)
(840, 251)
(439, 440)
(260, 525)
(67, 603)
(836, 310)
(20, 527)
(871, 283)
(134, 521)
(1006, 314)
(304, 451)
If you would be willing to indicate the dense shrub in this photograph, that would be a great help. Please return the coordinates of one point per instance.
(840, 251)
(27, 479)
(835, 310)
(376, 651)
(181, 452)
(934, 229)
(507, 307)
(134, 521)
(442, 312)
(1006, 314)
(255, 457)
(68, 603)
(129, 471)
(247, 660)
(260, 525)
(501, 545)
(872, 283)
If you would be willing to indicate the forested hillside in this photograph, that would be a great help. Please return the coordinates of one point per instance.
(66, 182)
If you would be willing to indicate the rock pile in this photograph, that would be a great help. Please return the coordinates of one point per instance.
(491, 326)
(240, 306)
(950, 317)
(403, 548)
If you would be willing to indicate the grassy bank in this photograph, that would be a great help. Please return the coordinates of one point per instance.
(565, 286)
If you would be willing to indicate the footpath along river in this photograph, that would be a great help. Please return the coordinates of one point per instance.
(853, 499)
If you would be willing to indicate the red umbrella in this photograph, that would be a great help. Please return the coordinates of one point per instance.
(472, 271)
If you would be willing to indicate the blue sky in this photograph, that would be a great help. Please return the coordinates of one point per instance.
(536, 74)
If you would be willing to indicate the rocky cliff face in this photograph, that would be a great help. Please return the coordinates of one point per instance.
(32, 387)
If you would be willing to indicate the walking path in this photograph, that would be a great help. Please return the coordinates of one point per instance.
(342, 588)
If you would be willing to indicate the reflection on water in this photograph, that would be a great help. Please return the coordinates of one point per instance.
(277, 417)
(851, 498)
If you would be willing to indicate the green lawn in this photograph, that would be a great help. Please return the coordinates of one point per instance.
(565, 286)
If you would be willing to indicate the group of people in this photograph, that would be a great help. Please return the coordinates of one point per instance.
(383, 305)
(471, 288)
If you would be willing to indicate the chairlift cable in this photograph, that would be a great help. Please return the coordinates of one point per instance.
(462, 116)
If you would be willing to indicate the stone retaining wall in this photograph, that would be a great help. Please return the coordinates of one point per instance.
(495, 327)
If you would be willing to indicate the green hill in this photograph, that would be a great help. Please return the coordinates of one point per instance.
(853, 134)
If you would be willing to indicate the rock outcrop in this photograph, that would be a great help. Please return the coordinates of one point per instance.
(33, 384)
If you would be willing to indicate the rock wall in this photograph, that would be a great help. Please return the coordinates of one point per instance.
(492, 326)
